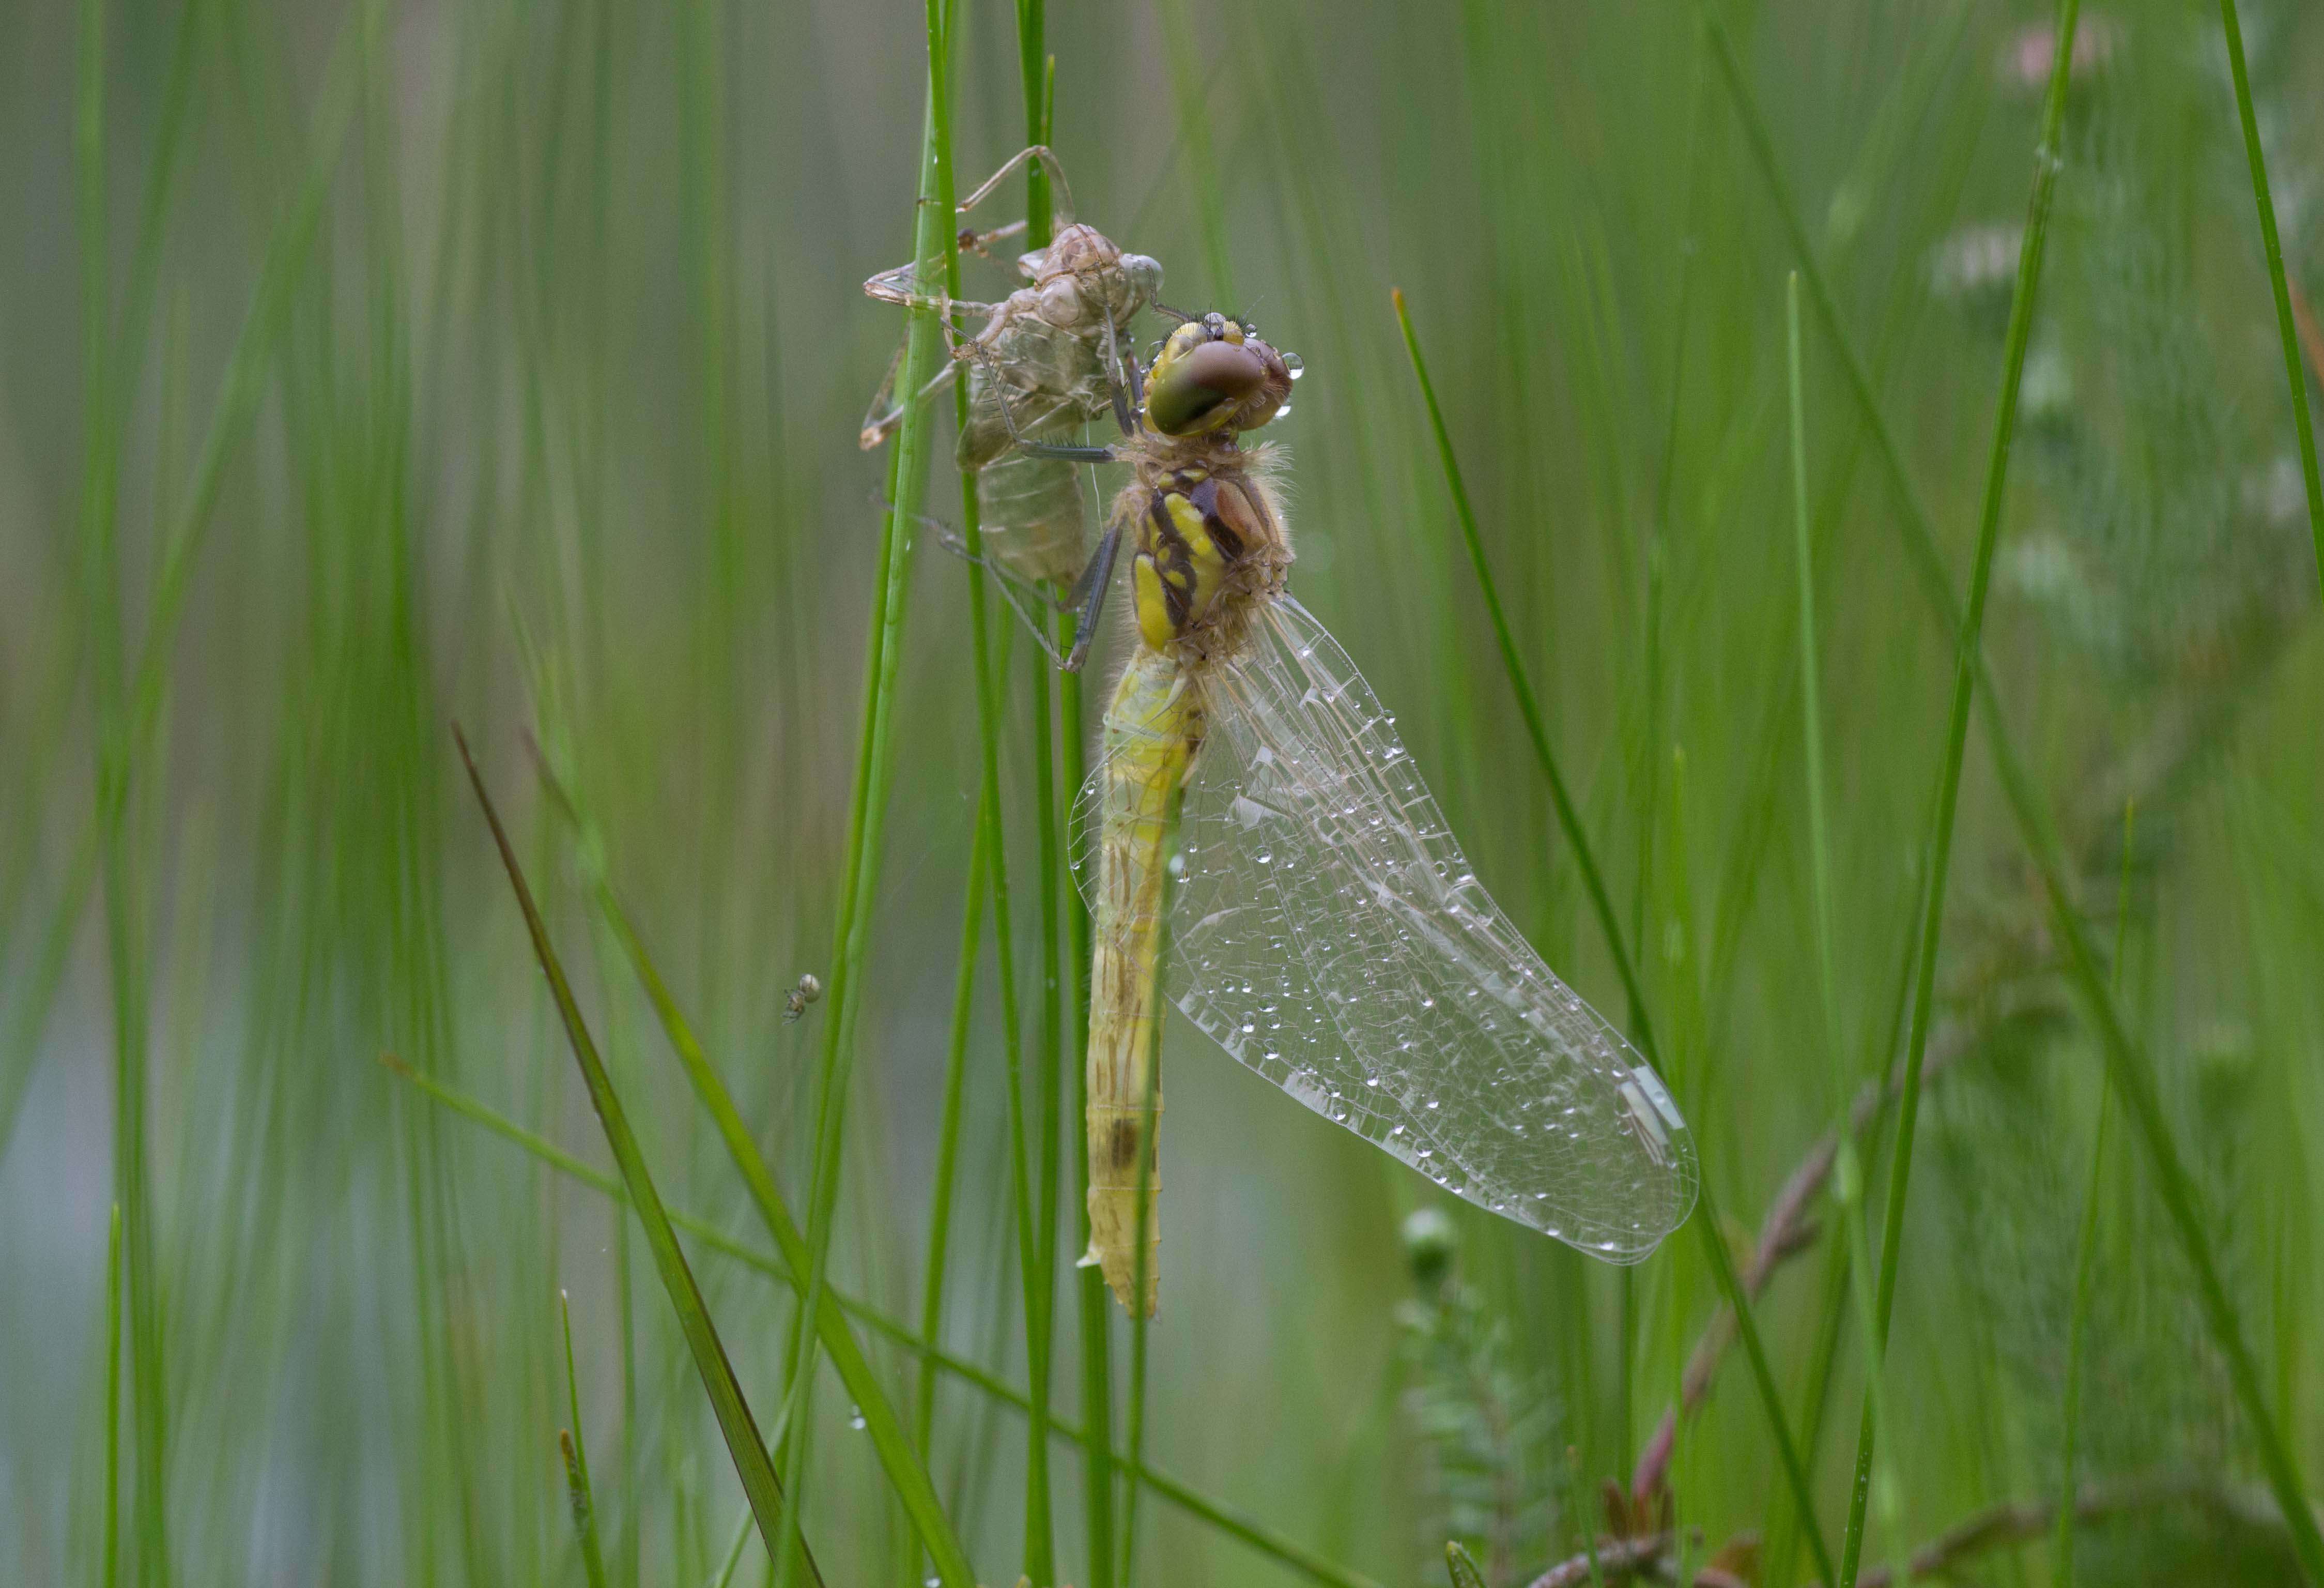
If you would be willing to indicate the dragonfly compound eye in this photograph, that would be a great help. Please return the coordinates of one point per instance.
(1210, 387)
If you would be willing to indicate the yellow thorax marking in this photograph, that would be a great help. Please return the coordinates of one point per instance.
(1180, 569)
(1154, 624)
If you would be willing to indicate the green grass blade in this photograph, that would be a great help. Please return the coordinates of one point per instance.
(110, 1575)
(867, 815)
(1568, 820)
(1041, 1145)
(986, 865)
(1848, 1172)
(2078, 1333)
(1048, 1080)
(1969, 647)
(575, 1452)
(244, 382)
(734, 1550)
(2078, 1327)
(898, 1454)
(2040, 842)
(1582, 1513)
(1033, 85)
(244, 385)
(2086, 1259)
(1707, 1216)
(934, 1266)
(1148, 1166)
(585, 1515)
(1094, 1318)
(752, 1466)
(2133, 1082)
(1033, 1179)
(2264, 201)
(1213, 1512)
(124, 925)
(1771, 1397)
(1037, 1254)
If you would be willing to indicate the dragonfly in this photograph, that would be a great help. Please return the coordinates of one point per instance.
(1050, 358)
(1253, 804)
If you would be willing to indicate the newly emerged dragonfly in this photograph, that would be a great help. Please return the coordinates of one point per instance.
(1049, 359)
(1323, 926)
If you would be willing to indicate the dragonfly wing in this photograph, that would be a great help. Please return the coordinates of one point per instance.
(1329, 934)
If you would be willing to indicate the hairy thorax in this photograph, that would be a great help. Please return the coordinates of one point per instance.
(1210, 545)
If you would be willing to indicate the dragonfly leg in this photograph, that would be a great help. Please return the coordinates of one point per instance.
(901, 287)
(881, 419)
(1136, 378)
(1031, 602)
(981, 243)
(1116, 387)
(1087, 602)
(1061, 196)
(1046, 449)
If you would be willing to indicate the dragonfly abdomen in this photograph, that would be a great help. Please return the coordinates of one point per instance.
(1152, 730)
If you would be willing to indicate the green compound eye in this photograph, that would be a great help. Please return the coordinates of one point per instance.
(1202, 388)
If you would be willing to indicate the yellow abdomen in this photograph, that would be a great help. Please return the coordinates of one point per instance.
(1153, 728)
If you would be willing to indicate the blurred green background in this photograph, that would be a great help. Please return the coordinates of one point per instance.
(366, 367)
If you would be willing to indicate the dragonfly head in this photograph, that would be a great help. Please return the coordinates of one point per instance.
(1214, 374)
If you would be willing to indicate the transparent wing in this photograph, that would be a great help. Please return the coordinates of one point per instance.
(1329, 935)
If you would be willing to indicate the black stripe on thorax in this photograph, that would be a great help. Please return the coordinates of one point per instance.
(1173, 559)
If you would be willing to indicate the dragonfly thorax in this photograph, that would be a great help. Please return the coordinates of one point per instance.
(1210, 543)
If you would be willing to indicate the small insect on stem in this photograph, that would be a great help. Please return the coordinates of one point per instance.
(795, 1001)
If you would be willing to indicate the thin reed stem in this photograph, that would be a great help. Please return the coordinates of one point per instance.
(1148, 1173)
(575, 1450)
(110, 1573)
(1706, 1218)
(1092, 1311)
(1968, 650)
(2078, 1329)
(902, 1459)
(1848, 1173)
(124, 909)
(867, 819)
(753, 1464)
(1038, 1242)
(939, 1249)
(2127, 1065)
(2264, 200)
(1212, 1512)
(1048, 1079)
